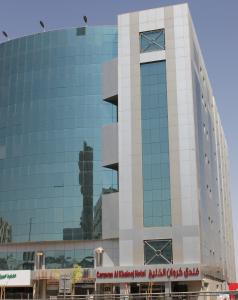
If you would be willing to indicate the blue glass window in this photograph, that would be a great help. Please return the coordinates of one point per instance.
(152, 40)
(54, 259)
(17, 260)
(155, 145)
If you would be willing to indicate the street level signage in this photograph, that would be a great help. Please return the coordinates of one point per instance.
(8, 276)
(159, 273)
(15, 278)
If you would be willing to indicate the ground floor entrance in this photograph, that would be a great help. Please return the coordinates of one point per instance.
(84, 288)
(139, 288)
(17, 293)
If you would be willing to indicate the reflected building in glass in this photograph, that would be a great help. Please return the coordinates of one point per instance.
(86, 183)
(111, 143)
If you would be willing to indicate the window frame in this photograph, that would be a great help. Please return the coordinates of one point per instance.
(150, 42)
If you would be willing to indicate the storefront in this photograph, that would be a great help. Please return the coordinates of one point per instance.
(114, 280)
(15, 283)
(62, 282)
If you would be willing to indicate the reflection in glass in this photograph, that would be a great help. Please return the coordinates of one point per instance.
(5, 232)
(85, 165)
(17, 260)
(110, 180)
(54, 259)
(61, 259)
(97, 221)
(86, 183)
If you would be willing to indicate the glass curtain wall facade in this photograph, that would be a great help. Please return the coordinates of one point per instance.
(155, 145)
(54, 259)
(51, 115)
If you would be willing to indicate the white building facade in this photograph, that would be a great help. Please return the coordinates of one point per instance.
(174, 200)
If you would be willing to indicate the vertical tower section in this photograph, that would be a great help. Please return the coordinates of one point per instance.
(158, 199)
(129, 138)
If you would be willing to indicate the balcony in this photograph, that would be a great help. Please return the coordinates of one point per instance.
(110, 81)
(110, 216)
(110, 146)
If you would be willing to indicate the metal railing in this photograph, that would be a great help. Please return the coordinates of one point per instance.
(219, 295)
(157, 296)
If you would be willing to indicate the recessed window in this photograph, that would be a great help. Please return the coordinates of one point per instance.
(152, 40)
(158, 252)
(81, 31)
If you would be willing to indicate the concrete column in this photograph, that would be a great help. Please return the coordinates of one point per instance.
(43, 289)
(125, 289)
(39, 289)
(34, 293)
(167, 287)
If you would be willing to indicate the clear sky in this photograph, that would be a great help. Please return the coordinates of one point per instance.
(216, 23)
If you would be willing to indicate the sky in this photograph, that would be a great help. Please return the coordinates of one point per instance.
(216, 23)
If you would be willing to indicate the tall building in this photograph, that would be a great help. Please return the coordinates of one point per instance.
(113, 157)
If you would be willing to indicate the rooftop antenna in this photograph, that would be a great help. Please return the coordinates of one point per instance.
(85, 20)
(42, 25)
(5, 34)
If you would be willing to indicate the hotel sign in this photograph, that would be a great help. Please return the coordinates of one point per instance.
(159, 273)
(15, 278)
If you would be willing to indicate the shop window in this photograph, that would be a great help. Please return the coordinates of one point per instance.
(158, 252)
(152, 40)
